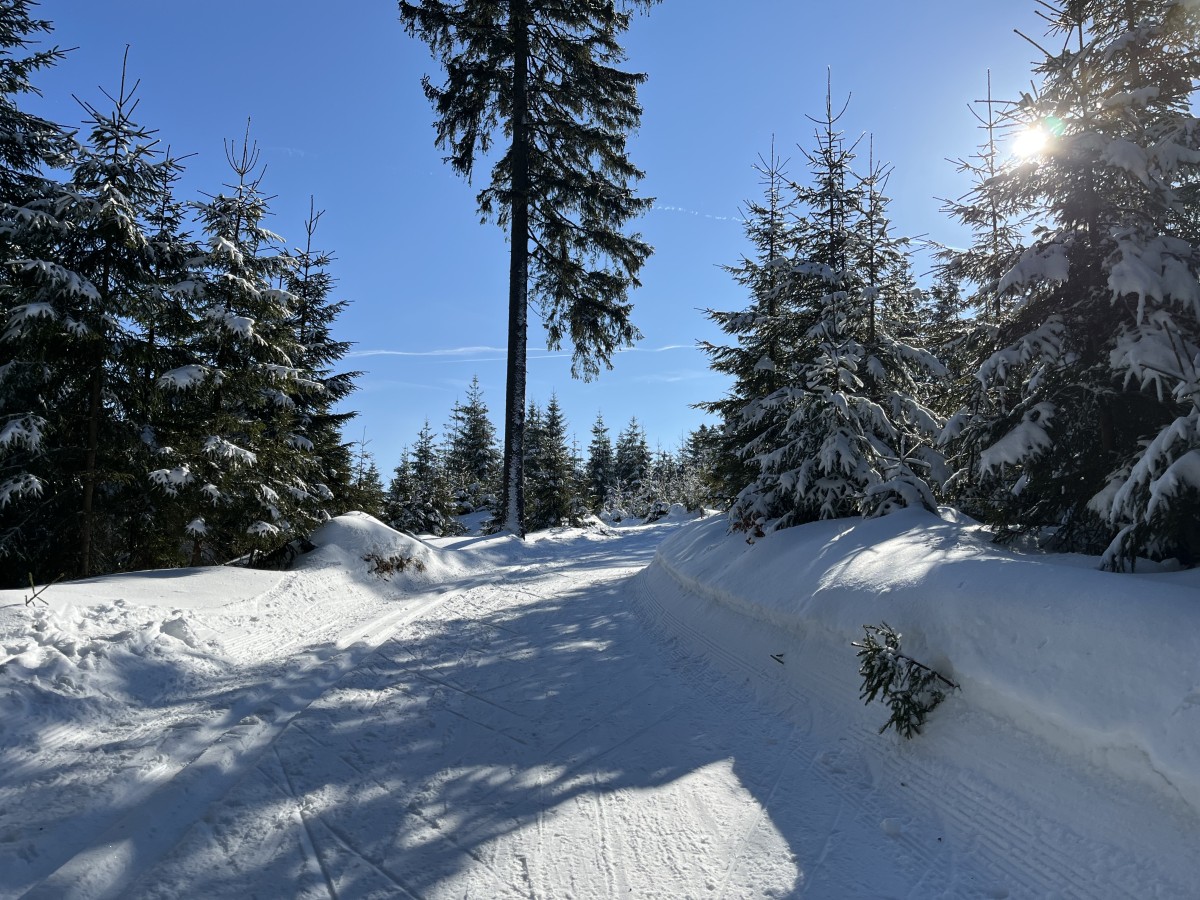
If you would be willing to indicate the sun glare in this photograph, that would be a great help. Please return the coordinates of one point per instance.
(1030, 142)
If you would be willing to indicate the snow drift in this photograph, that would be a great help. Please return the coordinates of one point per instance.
(1101, 666)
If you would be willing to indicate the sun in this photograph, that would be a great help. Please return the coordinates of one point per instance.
(1030, 142)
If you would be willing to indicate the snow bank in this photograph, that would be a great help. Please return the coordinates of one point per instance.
(349, 539)
(90, 646)
(1102, 666)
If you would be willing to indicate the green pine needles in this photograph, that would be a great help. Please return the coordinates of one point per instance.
(911, 689)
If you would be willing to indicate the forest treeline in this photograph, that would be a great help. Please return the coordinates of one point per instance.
(616, 478)
(1048, 382)
(169, 375)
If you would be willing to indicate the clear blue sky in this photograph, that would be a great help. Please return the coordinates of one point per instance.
(333, 94)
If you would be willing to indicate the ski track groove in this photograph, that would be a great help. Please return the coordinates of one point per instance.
(307, 838)
(348, 842)
(762, 810)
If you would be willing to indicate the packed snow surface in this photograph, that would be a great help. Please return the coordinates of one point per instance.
(652, 711)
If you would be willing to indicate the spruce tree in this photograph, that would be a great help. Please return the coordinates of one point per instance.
(631, 466)
(1087, 432)
(545, 77)
(318, 425)
(764, 332)
(244, 469)
(30, 148)
(553, 491)
(87, 331)
(472, 457)
(600, 472)
(847, 432)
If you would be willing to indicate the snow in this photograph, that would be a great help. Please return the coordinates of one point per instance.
(1044, 263)
(650, 711)
(1027, 439)
(184, 377)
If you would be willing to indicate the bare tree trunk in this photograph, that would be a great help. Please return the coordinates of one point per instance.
(87, 527)
(512, 512)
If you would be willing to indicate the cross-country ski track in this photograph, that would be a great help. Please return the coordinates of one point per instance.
(563, 719)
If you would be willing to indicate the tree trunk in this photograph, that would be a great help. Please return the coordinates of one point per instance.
(87, 527)
(512, 511)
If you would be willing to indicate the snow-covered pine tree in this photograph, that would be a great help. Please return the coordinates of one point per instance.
(964, 344)
(600, 470)
(700, 469)
(243, 469)
(419, 499)
(398, 498)
(847, 432)
(764, 332)
(327, 471)
(92, 299)
(472, 456)
(546, 77)
(631, 465)
(532, 464)
(30, 148)
(552, 491)
(1090, 429)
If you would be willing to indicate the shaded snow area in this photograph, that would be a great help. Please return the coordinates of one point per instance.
(654, 711)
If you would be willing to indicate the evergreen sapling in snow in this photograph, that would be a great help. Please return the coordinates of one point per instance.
(911, 689)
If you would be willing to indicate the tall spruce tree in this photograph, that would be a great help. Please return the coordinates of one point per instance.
(318, 425)
(763, 331)
(92, 299)
(1089, 430)
(544, 76)
(30, 148)
(243, 466)
(846, 433)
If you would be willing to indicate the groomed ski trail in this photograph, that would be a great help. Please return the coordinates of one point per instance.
(563, 728)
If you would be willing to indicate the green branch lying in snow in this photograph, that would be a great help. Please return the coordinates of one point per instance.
(910, 688)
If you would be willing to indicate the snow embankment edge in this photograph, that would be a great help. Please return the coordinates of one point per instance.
(1101, 666)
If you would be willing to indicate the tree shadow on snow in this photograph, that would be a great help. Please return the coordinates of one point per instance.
(501, 745)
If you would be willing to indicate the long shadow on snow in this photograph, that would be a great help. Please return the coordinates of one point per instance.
(478, 721)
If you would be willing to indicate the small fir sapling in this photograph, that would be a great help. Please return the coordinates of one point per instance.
(910, 688)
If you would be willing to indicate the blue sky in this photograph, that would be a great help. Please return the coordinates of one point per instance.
(333, 94)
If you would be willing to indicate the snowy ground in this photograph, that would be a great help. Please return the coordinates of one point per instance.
(603, 714)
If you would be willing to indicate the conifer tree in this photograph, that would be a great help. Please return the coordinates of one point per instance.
(91, 297)
(419, 499)
(30, 148)
(847, 432)
(552, 491)
(244, 468)
(472, 457)
(1088, 429)
(365, 491)
(764, 331)
(631, 465)
(700, 464)
(600, 472)
(544, 76)
(318, 428)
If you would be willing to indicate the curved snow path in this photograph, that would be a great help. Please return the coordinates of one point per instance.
(569, 731)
